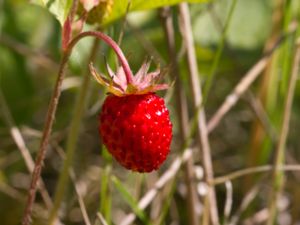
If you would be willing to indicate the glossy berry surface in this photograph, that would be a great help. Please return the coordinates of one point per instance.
(136, 130)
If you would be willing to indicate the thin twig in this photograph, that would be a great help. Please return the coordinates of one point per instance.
(252, 170)
(80, 198)
(101, 218)
(261, 115)
(228, 202)
(182, 112)
(246, 81)
(234, 96)
(280, 151)
(258, 218)
(197, 101)
(249, 197)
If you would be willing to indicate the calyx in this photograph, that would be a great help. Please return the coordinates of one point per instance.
(119, 84)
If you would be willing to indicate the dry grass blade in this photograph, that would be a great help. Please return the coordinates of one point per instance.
(150, 195)
(252, 170)
(246, 81)
(101, 219)
(228, 202)
(19, 140)
(80, 198)
(261, 115)
(258, 218)
(78, 191)
(167, 176)
(234, 96)
(186, 31)
(11, 192)
(182, 112)
(245, 203)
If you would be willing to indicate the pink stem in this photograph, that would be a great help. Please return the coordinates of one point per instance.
(111, 43)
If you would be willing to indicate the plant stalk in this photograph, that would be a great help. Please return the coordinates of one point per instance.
(247, 80)
(266, 94)
(278, 176)
(187, 153)
(182, 113)
(113, 45)
(211, 202)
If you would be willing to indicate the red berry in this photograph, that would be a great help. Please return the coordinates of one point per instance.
(136, 130)
(134, 122)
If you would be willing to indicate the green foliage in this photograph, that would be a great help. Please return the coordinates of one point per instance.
(59, 8)
(119, 7)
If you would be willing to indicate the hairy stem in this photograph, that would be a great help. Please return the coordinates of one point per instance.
(47, 127)
(113, 45)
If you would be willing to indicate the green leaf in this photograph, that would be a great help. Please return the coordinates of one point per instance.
(59, 8)
(130, 201)
(119, 7)
(144, 5)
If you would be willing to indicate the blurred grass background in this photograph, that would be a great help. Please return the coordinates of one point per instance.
(30, 43)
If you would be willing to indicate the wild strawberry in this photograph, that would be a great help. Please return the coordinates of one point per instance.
(134, 122)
